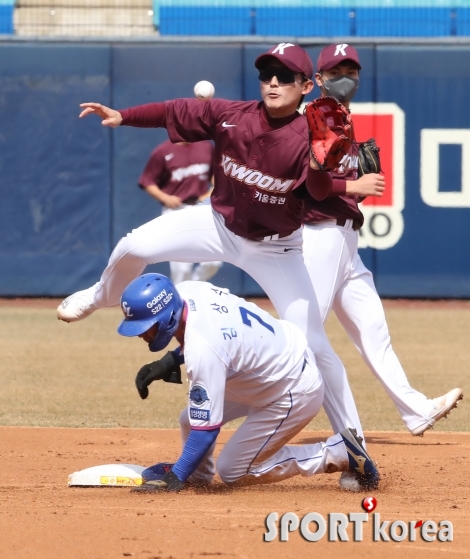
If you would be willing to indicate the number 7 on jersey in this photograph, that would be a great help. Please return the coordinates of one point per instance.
(245, 313)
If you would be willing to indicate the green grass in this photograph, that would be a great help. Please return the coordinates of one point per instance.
(82, 374)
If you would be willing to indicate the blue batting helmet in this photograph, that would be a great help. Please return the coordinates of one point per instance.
(148, 300)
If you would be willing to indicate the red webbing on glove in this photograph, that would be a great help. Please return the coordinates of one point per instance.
(331, 132)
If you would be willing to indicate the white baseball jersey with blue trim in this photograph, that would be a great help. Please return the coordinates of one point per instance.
(235, 351)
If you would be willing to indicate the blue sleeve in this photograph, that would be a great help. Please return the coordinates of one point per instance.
(179, 357)
(196, 447)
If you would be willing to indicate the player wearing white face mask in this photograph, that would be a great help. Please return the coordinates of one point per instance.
(331, 224)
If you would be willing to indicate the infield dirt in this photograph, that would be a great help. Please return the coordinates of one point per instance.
(42, 518)
(58, 380)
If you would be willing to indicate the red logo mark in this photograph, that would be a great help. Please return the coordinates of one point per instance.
(369, 504)
(380, 127)
(418, 524)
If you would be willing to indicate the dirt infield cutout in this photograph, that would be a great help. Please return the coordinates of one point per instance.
(68, 402)
(41, 517)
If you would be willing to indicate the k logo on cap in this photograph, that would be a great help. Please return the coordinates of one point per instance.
(340, 50)
(334, 54)
(281, 47)
(292, 56)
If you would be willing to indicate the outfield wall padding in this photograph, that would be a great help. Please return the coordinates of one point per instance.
(68, 187)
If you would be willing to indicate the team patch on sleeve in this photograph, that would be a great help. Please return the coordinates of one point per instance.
(201, 415)
(198, 395)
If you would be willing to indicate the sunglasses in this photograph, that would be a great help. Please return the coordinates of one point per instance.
(283, 75)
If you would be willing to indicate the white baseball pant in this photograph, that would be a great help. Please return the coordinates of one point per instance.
(346, 286)
(199, 235)
(184, 271)
(257, 452)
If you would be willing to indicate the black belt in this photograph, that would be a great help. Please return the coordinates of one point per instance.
(341, 221)
(191, 201)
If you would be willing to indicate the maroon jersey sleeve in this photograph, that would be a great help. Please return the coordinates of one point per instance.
(319, 184)
(151, 115)
(338, 187)
(154, 169)
(191, 120)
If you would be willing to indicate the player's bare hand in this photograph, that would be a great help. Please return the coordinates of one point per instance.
(110, 117)
(172, 202)
(372, 184)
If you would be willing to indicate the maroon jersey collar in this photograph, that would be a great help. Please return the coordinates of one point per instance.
(268, 124)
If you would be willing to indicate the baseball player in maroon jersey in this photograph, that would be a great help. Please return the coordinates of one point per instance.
(255, 222)
(332, 221)
(178, 176)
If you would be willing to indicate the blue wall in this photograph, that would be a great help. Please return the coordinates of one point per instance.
(6, 17)
(432, 257)
(68, 187)
(284, 20)
(55, 182)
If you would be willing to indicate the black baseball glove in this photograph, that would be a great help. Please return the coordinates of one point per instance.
(369, 158)
(166, 369)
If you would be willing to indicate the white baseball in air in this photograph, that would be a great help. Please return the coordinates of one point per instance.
(204, 90)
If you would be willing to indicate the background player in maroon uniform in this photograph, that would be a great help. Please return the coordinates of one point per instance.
(345, 284)
(255, 222)
(178, 176)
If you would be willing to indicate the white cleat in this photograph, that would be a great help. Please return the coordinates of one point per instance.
(76, 307)
(442, 407)
(349, 482)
